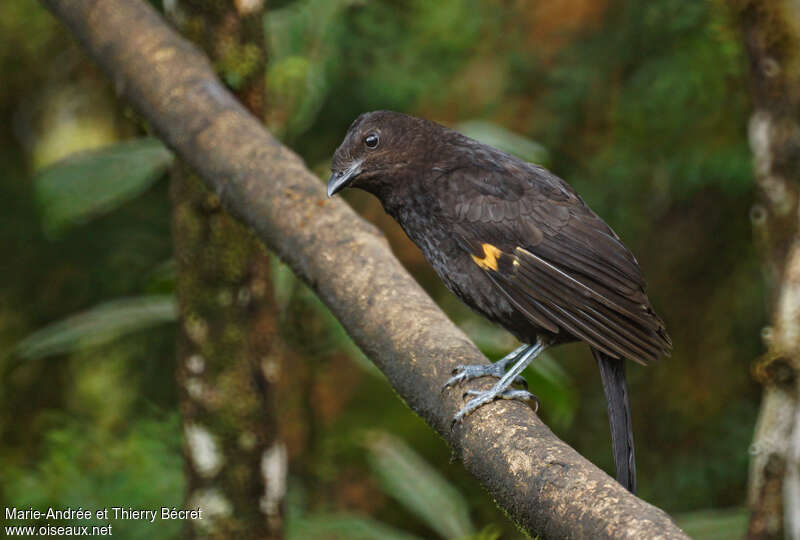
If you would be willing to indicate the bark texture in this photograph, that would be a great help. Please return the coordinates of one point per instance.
(545, 486)
(235, 463)
(228, 356)
(771, 32)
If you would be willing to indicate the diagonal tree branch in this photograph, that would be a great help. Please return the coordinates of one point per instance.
(545, 485)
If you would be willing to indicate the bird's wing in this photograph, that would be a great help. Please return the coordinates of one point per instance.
(556, 260)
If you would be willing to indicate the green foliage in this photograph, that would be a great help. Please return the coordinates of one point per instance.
(98, 325)
(299, 54)
(296, 87)
(342, 527)
(555, 388)
(81, 464)
(714, 524)
(490, 532)
(419, 487)
(307, 324)
(411, 481)
(391, 60)
(26, 33)
(91, 183)
(664, 80)
(506, 140)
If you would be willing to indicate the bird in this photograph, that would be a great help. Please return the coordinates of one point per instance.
(516, 244)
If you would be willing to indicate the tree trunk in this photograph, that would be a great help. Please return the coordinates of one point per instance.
(771, 31)
(228, 357)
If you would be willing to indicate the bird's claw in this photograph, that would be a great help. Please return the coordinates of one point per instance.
(482, 397)
(464, 373)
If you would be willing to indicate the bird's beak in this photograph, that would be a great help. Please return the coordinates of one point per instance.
(340, 179)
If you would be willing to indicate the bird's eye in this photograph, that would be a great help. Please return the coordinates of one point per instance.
(372, 140)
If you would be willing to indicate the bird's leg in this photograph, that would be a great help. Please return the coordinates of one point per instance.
(501, 388)
(497, 369)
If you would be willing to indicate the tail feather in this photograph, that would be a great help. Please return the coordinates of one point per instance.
(612, 372)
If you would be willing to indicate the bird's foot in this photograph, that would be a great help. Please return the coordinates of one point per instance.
(482, 397)
(468, 373)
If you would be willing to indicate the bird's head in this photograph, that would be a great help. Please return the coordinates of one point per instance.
(375, 150)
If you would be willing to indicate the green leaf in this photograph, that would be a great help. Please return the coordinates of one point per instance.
(714, 524)
(505, 140)
(303, 27)
(98, 325)
(297, 87)
(80, 462)
(554, 388)
(419, 487)
(292, 295)
(91, 183)
(490, 532)
(299, 50)
(342, 527)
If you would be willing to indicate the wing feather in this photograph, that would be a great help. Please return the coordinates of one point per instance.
(598, 323)
(526, 304)
(560, 264)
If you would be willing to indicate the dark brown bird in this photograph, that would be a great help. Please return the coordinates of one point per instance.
(516, 244)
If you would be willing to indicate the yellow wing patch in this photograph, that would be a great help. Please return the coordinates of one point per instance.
(490, 256)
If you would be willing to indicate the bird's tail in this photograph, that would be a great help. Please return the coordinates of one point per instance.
(612, 372)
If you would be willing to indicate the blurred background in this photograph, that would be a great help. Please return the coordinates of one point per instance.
(642, 106)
